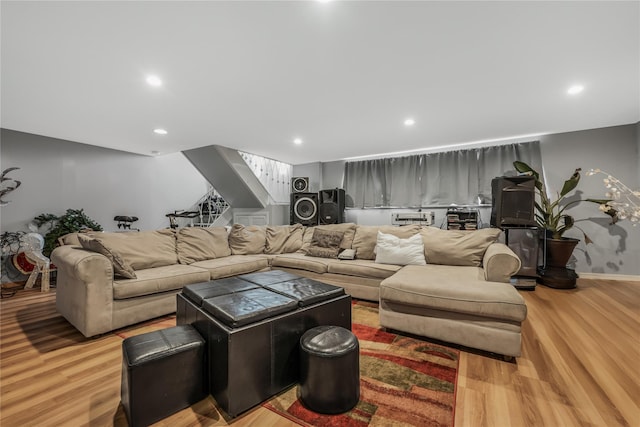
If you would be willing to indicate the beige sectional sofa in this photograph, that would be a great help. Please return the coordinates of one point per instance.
(461, 294)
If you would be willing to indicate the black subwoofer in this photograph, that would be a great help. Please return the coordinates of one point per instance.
(304, 208)
(331, 206)
(513, 201)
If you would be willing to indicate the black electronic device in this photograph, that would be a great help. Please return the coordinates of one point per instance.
(525, 243)
(304, 208)
(331, 206)
(513, 201)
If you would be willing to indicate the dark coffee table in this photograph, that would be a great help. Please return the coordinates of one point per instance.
(252, 325)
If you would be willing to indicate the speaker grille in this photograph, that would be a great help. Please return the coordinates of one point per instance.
(304, 208)
(299, 184)
(331, 208)
(513, 201)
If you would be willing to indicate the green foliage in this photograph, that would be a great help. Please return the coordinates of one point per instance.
(550, 214)
(72, 221)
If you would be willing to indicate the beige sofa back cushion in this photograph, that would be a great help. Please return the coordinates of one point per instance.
(283, 239)
(366, 237)
(457, 247)
(198, 244)
(348, 228)
(144, 249)
(247, 239)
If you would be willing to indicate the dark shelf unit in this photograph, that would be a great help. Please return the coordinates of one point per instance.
(462, 219)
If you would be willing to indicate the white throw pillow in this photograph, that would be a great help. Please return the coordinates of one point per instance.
(394, 250)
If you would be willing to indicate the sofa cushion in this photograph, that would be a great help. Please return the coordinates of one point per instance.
(143, 249)
(200, 243)
(233, 265)
(347, 228)
(366, 237)
(394, 250)
(454, 289)
(247, 239)
(302, 262)
(283, 238)
(457, 247)
(120, 266)
(363, 268)
(160, 279)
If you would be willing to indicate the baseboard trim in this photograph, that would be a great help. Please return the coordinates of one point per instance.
(605, 276)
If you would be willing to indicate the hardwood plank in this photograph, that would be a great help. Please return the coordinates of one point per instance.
(580, 347)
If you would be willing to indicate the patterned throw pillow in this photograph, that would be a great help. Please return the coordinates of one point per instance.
(325, 243)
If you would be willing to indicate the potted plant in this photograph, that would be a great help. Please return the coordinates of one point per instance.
(72, 221)
(551, 216)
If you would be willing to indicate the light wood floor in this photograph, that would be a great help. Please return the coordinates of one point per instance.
(580, 367)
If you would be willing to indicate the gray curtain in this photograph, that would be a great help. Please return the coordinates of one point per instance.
(498, 161)
(433, 179)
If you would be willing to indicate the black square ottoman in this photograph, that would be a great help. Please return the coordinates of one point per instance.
(162, 373)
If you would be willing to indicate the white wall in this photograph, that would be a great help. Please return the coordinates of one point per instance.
(58, 174)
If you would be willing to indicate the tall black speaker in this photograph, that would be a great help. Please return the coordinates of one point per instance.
(304, 208)
(331, 206)
(513, 201)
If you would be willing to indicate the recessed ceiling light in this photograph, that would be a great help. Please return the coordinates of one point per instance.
(160, 131)
(575, 89)
(297, 141)
(409, 122)
(154, 81)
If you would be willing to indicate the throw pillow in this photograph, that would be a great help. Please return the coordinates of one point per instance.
(120, 266)
(325, 243)
(366, 237)
(457, 247)
(391, 249)
(348, 228)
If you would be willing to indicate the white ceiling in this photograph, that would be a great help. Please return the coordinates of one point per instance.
(341, 75)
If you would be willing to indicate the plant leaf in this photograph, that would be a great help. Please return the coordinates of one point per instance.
(522, 167)
(571, 183)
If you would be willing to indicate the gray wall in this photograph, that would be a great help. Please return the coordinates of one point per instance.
(58, 174)
(616, 249)
(637, 185)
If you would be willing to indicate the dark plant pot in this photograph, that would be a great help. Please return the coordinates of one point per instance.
(556, 274)
(559, 251)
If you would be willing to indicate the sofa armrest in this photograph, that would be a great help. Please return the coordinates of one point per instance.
(500, 263)
(84, 289)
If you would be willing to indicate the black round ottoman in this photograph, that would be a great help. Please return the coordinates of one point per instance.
(329, 369)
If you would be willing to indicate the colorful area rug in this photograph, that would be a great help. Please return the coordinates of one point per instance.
(403, 381)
